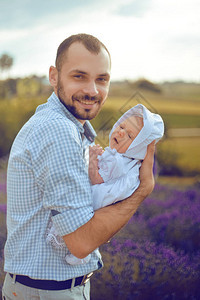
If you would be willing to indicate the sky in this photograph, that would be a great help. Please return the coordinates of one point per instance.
(154, 39)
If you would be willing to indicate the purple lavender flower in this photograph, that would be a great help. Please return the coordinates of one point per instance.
(3, 208)
(3, 187)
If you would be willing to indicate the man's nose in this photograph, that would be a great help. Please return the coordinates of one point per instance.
(91, 89)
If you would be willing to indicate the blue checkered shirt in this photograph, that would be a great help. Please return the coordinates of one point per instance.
(48, 170)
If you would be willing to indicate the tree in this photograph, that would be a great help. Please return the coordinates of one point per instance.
(148, 85)
(6, 62)
(29, 86)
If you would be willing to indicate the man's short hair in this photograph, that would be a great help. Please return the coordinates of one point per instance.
(90, 42)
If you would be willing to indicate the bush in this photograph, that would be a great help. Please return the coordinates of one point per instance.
(14, 113)
(148, 85)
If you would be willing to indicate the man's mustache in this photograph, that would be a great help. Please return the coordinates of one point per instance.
(86, 97)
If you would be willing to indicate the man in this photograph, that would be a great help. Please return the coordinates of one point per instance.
(48, 181)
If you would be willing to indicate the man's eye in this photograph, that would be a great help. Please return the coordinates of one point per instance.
(102, 79)
(78, 76)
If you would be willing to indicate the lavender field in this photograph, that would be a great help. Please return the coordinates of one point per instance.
(3, 165)
(156, 256)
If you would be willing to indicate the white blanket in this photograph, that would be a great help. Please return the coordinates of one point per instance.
(120, 171)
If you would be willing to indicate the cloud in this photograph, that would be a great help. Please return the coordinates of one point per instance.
(134, 8)
(148, 38)
(27, 13)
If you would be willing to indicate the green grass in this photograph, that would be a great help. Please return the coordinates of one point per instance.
(181, 121)
(180, 153)
(160, 103)
(178, 104)
(178, 182)
(187, 91)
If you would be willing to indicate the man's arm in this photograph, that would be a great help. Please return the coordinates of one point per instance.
(107, 221)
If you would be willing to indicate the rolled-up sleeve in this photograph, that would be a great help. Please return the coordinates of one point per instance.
(61, 174)
(70, 220)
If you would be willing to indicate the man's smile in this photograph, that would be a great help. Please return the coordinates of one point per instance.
(90, 102)
(85, 104)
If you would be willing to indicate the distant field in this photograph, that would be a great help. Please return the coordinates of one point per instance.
(181, 152)
(178, 104)
(181, 120)
(176, 113)
(177, 153)
(178, 182)
(159, 103)
(186, 91)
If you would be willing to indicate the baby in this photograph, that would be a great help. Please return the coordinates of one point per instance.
(120, 140)
(114, 173)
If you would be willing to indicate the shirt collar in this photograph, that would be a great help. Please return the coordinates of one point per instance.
(85, 129)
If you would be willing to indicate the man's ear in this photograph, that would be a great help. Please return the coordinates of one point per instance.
(53, 77)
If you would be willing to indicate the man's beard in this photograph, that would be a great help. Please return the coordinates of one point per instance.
(84, 114)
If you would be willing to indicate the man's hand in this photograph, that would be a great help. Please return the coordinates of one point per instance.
(108, 220)
(147, 181)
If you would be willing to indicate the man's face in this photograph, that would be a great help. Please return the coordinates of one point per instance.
(83, 81)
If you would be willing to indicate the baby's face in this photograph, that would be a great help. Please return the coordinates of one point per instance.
(125, 133)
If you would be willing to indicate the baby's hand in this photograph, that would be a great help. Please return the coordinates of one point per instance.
(95, 150)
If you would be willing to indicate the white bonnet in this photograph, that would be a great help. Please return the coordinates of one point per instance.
(153, 129)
